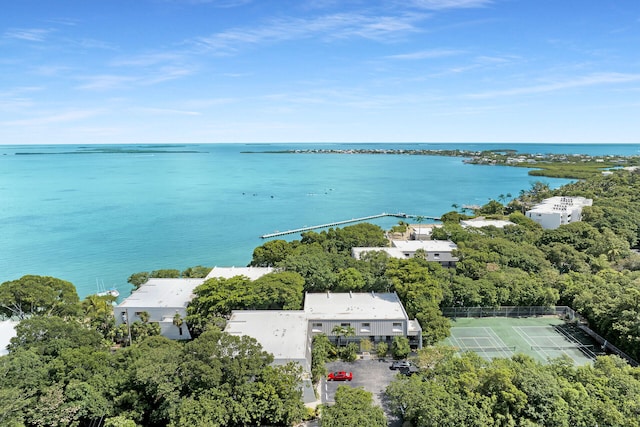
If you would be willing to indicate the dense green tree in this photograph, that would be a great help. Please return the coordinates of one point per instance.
(138, 279)
(464, 390)
(349, 279)
(51, 335)
(400, 347)
(272, 252)
(197, 271)
(320, 354)
(342, 240)
(314, 264)
(381, 349)
(217, 297)
(276, 291)
(38, 295)
(354, 407)
(421, 290)
(492, 208)
(168, 273)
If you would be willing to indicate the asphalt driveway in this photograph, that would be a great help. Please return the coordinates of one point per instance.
(372, 375)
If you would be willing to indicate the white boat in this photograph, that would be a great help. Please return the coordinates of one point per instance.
(102, 292)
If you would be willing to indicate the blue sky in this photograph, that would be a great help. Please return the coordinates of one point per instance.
(177, 71)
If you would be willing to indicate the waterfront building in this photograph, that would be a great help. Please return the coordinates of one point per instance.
(555, 211)
(164, 299)
(422, 231)
(482, 222)
(343, 317)
(440, 251)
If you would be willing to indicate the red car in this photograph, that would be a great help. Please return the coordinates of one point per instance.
(340, 376)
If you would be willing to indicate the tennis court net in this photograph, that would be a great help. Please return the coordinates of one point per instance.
(562, 347)
(487, 349)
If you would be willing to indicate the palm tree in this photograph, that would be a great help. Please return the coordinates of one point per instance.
(98, 310)
(343, 331)
(177, 321)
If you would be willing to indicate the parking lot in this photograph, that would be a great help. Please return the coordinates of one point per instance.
(372, 375)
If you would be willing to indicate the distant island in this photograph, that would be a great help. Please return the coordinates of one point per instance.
(576, 166)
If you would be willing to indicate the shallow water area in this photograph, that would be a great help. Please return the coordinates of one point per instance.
(95, 214)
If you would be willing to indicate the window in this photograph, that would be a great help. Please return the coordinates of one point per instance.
(397, 327)
(345, 325)
(316, 327)
(436, 256)
(365, 327)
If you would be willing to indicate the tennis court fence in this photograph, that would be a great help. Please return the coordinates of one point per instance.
(510, 311)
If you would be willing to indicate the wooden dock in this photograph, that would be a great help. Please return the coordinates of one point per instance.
(348, 221)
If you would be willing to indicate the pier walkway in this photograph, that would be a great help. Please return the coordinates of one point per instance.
(348, 221)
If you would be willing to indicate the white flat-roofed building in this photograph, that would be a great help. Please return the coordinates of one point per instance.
(555, 211)
(162, 299)
(252, 273)
(7, 331)
(376, 316)
(288, 335)
(283, 333)
(434, 250)
(480, 222)
(422, 231)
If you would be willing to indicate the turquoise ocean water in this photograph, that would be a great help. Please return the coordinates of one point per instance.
(95, 214)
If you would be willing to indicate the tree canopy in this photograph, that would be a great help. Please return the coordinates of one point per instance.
(38, 295)
(465, 390)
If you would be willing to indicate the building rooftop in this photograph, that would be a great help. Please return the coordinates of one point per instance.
(163, 293)
(354, 306)
(392, 252)
(482, 222)
(280, 332)
(252, 273)
(176, 293)
(561, 203)
(7, 331)
(426, 245)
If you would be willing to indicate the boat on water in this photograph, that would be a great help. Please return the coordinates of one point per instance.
(110, 292)
(103, 292)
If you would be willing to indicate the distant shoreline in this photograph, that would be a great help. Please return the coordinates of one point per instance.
(577, 166)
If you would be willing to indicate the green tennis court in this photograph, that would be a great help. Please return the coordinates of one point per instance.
(542, 338)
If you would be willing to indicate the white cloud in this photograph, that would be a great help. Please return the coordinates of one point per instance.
(166, 111)
(449, 4)
(224, 4)
(583, 81)
(427, 54)
(380, 28)
(105, 82)
(68, 116)
(165, 74)
(146, 60)
(28, 34)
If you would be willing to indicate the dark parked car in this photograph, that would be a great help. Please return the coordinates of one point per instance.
(399, 364)
(409, 371)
